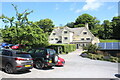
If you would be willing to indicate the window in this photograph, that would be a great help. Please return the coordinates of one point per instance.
(65, 32)
(56, 38)
(7, 53)
(65, 38)
(84, 32)
(23, 55)
(82, 38)
(87, 38)
(39, 51)
(54, 34)
(52, 39)
(31, 51)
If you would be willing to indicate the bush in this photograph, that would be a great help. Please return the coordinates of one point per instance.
(91, 48)
(63, 48)
(100, 57)
(114, 59)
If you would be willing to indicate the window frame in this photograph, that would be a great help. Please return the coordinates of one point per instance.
(65, 38)
(84, 33)
(54, 33)
(56, 38)
(65, 32)
(87, 38)
(82, 39)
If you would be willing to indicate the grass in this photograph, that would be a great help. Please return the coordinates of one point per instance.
(109, 40)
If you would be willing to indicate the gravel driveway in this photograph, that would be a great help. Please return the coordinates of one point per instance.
(75, 67)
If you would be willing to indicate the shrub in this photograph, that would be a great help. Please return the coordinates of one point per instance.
(114, 59)
(100, 57)
(64, 48)
(91, 48)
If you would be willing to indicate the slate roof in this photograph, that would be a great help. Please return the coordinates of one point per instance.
(76, 31)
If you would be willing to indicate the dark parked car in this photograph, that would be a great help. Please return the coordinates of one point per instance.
(43, 57)
(12, 61)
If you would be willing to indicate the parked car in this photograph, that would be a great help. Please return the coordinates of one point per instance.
(12, 61)
(43, 57)
(10, 45)
(18, 46)
(60, 62)
(4, 44)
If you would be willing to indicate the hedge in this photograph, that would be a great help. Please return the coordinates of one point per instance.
(63, 48)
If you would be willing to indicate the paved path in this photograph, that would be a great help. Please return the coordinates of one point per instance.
(75, 67)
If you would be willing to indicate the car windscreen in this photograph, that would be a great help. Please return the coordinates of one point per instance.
(51, 51)
(23, 55)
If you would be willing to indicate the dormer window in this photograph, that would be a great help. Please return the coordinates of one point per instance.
(52, 39)
(56, 38)
(65, 38)
(54, 34)
(87, 38)
(84, 32)
(65, 32)
(82, 38)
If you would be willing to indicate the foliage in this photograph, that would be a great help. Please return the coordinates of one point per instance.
(101, 57)
(46, 25)
(116, 27)
(23, 31)
(109, 40)
(107, 32)
(86, 18)
(91, 48)
(71, 24)
(66, 48)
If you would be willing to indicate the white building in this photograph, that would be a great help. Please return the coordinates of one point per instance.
(80, 36)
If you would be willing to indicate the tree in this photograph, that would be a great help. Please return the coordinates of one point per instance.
(91, 48)
(107, 29)
(46, 25)
(98, 31)
(71, 24)
(116, 27)
(86, 18)
(23, 31)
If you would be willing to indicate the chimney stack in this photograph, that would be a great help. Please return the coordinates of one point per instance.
(86, 25)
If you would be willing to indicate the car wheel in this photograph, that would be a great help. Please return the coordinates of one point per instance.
(39, 64)
(9, 69)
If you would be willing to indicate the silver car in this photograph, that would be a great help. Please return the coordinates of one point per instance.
(12, 60)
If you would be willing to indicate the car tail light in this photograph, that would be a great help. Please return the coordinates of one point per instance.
(31, 59)
(18, 66)
(20, 59)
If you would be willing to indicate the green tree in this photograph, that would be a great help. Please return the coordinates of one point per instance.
(71, 24)
(91, 48)
(107, 29)
(116, 27)
(86, 18)
(23, 31)
(46, 25)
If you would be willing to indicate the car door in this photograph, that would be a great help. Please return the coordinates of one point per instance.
(6, 57)
(40, 53)
(0, 58)
(32, 52)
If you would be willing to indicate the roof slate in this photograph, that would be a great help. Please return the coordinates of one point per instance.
(76, 31)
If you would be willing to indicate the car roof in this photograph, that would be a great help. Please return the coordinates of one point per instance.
(18, 51)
